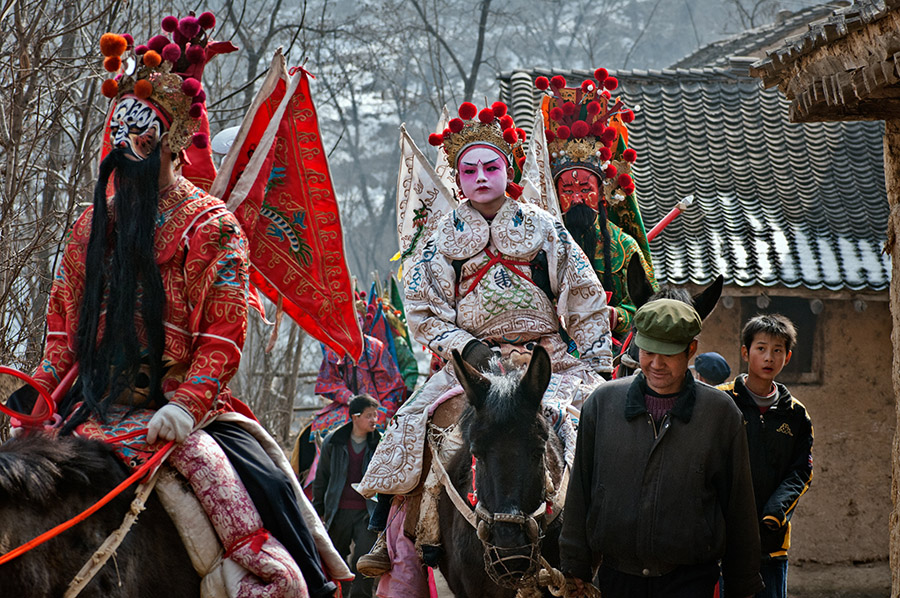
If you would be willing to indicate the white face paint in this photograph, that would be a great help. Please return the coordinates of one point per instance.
(136, 127)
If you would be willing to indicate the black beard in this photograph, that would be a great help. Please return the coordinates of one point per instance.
(582, 223)
(121, 275)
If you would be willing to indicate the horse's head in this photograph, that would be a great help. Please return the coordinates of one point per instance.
(641, 292)
(507, 435)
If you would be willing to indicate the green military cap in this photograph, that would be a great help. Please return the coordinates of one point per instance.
(666, 326)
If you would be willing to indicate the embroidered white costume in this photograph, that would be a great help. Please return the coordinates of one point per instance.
(495, 300)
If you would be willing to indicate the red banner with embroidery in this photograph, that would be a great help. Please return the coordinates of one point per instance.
(279, 186)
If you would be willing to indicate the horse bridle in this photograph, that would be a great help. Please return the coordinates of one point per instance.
(535, 524)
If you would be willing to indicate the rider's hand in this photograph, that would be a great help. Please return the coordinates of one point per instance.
(170, 423)
(575, 586)
(478, 355)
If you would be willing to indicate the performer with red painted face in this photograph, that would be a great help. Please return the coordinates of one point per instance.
(497, 278)
(587, 143)
(150, 303)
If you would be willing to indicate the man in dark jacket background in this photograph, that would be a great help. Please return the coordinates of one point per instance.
(661, 489)
(345, 456)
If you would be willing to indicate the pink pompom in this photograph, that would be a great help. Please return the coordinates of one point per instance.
(170, 24)
(128, 39)
(190, 87)
(201, 140)
(171, 53)
(196, 110)
(196, 54)
(158, 42)
(189, 27)
(200, 97)
(141, 50)
(207, 20)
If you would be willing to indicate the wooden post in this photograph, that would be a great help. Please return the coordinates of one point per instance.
(892, 184)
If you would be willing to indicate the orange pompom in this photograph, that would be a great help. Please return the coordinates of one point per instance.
(110, 88)
(112, 44)
(112, 63)
(143, 89)
(152, 58)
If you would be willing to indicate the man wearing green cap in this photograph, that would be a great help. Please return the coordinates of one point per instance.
(661, 491)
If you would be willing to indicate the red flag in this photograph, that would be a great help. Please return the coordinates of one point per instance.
(283, 196)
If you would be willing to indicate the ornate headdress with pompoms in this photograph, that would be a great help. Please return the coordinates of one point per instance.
(586, 129)
(492, 126)
(166, 72)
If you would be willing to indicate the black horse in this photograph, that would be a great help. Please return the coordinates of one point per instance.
(46, 481)
(508, 443)
(641, 292)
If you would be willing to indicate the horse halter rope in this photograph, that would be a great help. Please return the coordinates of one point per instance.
(497, 560)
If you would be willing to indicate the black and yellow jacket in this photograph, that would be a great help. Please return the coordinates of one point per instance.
(780, 442)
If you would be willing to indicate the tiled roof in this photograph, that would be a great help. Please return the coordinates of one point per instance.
(776, 203)
(754, 41)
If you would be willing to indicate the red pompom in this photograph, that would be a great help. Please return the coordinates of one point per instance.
(172, 52)
(189, 27)
(556, 113)
(605, 94)
(542, 83)
(207, 20)
(196, 110)
(521, 134)
(563, 132)
(611, 171)
(435, 139)
(509, 136)
(611, 83)
(601, 74)
(499, 109)
(467, 110)
(593, 108)
(143, 89)
(109, 88)
(446, 134)
(628, 116)
(170, 24)
(605, 154)
(112, 63)
(190, 87)
(629, 155)
(486, 116)
(158, 42)
(112, 44)
(141, 50)
(624, 180)
(569, 108)
(587, 86)
(200, 140)
(597, 128)
(558, 82)
(196, 54)
(152, 58)
(549, 135)
(180, 39)
(609, 135)
(629, 190)
(506, 121)
(580, 129)
(128, 39)
(456, 125)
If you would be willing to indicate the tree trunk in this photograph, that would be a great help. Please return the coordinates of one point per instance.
(892, 183)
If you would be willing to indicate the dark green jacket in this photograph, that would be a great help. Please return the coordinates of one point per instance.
(780, 442)
(331, 473)
(646, 502)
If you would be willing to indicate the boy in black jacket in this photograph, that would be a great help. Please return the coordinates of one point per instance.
(779, 436)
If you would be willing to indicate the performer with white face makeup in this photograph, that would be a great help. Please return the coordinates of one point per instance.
(495, 279)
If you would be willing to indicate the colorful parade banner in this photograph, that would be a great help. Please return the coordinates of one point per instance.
(276, 180)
